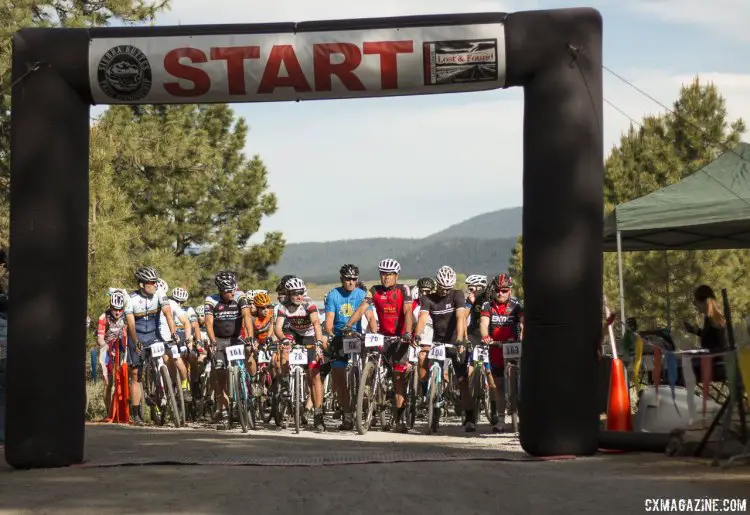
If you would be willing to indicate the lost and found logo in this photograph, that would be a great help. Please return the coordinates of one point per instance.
(124, 73)
(457, 62)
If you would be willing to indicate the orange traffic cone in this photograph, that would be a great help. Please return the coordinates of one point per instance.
(618, 409)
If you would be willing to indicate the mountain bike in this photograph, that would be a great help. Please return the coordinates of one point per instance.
(411, 384)
(481, 392)
(352, 347)
(512, 357)
(158, 388)
(176, 352)
(435, 360)
(292, 394)
(373, 393)
(240, 394)
(263, 382)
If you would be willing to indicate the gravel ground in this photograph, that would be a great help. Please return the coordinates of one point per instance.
(313, 473)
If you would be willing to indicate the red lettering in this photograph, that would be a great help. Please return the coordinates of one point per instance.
(388, 51)
(325, 69)
(295, 76)
(200, 79)
(235, 57)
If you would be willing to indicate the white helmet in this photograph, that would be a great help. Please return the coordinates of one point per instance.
(200, 310)
(180, 294)
(161, 283)
(389, 266)
(250, 294)
(476, 280)
(117, 300)
(445, 277)
(294, 284)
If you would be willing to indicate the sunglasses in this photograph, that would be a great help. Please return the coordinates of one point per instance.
(473, 288)
(296, 293)
(351, 278)
(504, 290)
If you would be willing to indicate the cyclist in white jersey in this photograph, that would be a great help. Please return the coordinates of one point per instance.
(184, 333)
(141, 313)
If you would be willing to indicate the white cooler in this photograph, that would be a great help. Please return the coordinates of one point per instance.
(667, 414)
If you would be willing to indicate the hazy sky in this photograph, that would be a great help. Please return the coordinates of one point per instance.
(355, 150)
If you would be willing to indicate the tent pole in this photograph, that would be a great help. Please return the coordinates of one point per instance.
(669, 293)
(622, 282)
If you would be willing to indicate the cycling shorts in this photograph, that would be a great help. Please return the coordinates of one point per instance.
(135, 359)
(308, 342)
(219, 355)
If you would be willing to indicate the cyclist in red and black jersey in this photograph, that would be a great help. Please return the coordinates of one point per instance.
(392, 303)
(447, 308)
(501, 321)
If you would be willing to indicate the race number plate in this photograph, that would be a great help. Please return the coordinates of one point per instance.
(437, 352)
(235, 352)
(157, 350)
(298, 357)
(183, 349)
(481, 353)
(374, 340)
(512, 350)
(351, 345)
(412, 355)
(263, 357)
(175, 351)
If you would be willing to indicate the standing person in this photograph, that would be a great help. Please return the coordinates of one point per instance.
(713, 334)
(501, 321)
(142, 309)
(110, 334)
(225, 320)
(183, 330)
(341, 303)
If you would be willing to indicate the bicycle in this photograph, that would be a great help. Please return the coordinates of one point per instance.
(202, 401)
(372, 395)
(177, 353)
(263, 382)
(480, 386)
(294, 395)
(512, 356)
(435, 361)
(411, 383)
(241, 399)
(158, 388)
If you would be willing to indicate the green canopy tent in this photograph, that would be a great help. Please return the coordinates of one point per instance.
(709, 209)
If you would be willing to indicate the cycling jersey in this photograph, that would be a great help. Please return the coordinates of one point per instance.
(177, 312)
(110, 328)
(227, 315)
(298, 317)
(443, 311)
(146, 312)
(343, 304)
(389, 307)
(505, 319)
(476, 312)
(263, 327)
(416, 309)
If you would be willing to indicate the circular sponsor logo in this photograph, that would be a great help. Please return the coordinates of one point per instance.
(124, 73)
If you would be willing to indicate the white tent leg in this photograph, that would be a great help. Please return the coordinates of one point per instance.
(622, 282)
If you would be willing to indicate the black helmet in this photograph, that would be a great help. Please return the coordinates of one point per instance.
(280, 288)
(349, 271)
(146, 274)
(226, 281)
(426, 283)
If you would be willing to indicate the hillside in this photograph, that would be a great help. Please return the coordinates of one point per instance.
(481, 244)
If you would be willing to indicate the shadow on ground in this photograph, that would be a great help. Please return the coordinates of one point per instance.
(618, 483)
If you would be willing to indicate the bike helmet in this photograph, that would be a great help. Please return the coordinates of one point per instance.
(117, 300)
(226, 281)
(476, 280)
(445, 277)
(180, 294)
(349, 271)
(503, 281)
(389, 266)
(200, 310)
(162, 285)
(426, 283)
(146, 274)
(262, 299)
(281, 287)
(295, 284)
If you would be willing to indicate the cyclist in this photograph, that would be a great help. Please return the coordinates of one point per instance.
(340, 305)
(225, 319)
(110, 332)
(446, 307)
(141, 310)
(425, 286)
(184, 333)
(303, 329)
(501, 321)
(392, 303)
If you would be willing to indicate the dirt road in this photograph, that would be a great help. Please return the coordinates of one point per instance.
(274, 471)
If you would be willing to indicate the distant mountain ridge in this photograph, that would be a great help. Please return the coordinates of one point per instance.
(482, 244)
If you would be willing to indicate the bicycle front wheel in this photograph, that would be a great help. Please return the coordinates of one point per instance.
(299, 386)
(168, 393)
(433, 412)
(365, 401)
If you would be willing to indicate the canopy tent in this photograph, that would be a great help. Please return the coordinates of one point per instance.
(709, 209)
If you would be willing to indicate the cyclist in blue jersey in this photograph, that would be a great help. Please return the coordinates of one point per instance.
(340, 305)
(142, 311)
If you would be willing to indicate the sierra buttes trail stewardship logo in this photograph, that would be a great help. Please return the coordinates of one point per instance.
(124, 73)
